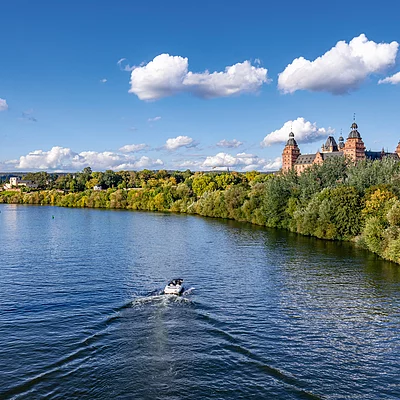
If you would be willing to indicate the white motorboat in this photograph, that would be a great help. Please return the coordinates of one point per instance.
(174, 287)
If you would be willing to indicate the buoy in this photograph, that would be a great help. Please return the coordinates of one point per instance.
(52, 216)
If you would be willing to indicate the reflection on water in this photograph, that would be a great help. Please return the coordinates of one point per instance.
(273, 315)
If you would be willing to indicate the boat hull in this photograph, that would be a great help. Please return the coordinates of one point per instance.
(177, 290)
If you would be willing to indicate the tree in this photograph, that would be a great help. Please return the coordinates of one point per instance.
(110, 179)
(203, 183)
(41, 179)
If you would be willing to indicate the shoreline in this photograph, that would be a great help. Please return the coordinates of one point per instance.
(191, 207)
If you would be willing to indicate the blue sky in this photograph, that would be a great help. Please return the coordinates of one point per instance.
(124, 85)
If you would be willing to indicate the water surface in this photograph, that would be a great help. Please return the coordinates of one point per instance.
(271, 315)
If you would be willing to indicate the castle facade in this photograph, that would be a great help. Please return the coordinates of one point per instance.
(353, 149)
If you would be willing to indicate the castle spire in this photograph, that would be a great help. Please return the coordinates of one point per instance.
(341, 140)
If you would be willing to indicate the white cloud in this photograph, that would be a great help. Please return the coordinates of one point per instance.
(341, 69)
(179, 141)
(168, 75)
(104, 80)
(56, 158)
(190, 164)
(132, 148)
(154, 119)
(220, 160)
(3, 105)
(241, 162)
(236, 79)
(394, 79)
(229, 143)
(124, 66)
(159, 78)
(146, 162)
(64, 159)
(273, 165)
(304, 131)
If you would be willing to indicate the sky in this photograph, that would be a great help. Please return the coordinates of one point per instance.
(178, 85)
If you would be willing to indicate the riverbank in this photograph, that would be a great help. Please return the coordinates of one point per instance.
(332, 201)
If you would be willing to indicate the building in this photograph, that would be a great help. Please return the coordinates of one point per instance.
(17, 183)
(353, 149)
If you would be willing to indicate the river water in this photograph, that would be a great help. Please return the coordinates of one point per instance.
(266, 314)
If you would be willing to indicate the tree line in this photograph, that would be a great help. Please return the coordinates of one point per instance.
(336, 200)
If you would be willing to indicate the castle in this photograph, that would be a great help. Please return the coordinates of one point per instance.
(353, 149)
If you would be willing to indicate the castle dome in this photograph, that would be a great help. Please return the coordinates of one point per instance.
(354, 134)
(291, 141)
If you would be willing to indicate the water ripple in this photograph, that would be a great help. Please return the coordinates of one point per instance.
(273, 315)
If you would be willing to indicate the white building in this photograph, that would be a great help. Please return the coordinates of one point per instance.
(16, 183)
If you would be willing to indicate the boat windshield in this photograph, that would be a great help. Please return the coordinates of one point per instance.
(175, 282)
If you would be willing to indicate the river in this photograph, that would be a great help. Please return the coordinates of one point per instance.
(266, 314)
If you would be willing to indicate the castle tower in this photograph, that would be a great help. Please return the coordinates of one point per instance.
(397, 151)
(290, 154)
(354, 147)
(330, 145)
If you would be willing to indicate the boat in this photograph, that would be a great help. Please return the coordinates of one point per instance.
(174, 287)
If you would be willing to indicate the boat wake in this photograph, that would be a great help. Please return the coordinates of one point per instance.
(158, 297)
(187, 292)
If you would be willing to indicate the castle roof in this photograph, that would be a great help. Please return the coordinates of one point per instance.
(325, 156)
(331, 142)
(378, 155)
(305, 159)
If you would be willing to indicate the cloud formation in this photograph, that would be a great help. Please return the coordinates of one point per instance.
(394, 79)
(341, 69)
(168, 75)
(179, 141)
(229, 143)
(3, 105)
(124, 66)
(242, 161)
(104, 80)
(154, 119)
(132, 148)
(304, 132)
(64, 159)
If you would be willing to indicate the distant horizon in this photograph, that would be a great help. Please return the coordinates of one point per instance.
(9, 173)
